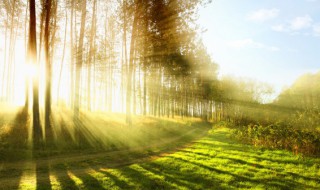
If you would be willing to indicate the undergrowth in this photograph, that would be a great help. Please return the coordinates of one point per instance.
(280, 136)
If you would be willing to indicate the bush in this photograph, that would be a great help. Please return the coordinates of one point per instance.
(280, 136)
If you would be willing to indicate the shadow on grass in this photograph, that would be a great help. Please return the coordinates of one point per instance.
(10, 177)
(86, 181)
(214, 162)
(13, 148)
(61, 172)
(43, 176)
(14, 141)
(116, 181)
(187, 180)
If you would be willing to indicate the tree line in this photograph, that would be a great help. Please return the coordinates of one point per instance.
(138, 56)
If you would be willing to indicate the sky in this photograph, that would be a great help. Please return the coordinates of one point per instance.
(273, 41)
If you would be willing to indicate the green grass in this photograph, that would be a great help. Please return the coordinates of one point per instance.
(212, 162)
(99, 132)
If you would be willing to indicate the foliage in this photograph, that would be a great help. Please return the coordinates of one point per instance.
(280, 136)
(303, 94)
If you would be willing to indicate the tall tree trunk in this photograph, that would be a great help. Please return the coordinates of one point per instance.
(79, 62)
(140, 91)
(63, 55)
(124, 68)
(129, 80)
(26, 104)
(91, 52)
(32, 57)
(106, 56)
(145, 90)
(13, 63)
(53, 28)
(134, 88)
(5, 58)
(42, 20)
(71, 57)
(110, 59)
(11, 53)
(48, 68)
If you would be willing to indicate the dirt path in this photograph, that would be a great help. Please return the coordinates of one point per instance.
(11, 174)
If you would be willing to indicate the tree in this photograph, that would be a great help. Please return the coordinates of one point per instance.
(91, 53)
(47, 9)
(79, 58)
(26, 104)
(32, 57)
(132, 48)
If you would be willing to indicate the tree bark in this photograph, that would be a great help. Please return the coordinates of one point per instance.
(26, 104)
(124, 69)
(79, 62)
(71, 57)
(130, 72)
(32, 57)
(91, 53)
(48, 68)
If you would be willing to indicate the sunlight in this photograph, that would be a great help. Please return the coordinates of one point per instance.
(30, 70)
(25, 73)
(28, 177)
(20, 74)
(159, 94)
(76, 179)
(55, 182)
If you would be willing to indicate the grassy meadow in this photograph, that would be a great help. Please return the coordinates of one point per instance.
(186, 154)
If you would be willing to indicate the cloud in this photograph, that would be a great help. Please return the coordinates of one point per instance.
(250, 43)
(243, 43)
(279, 28)
(300, 23)
(263, 15)
(316, 29)
(273, 48)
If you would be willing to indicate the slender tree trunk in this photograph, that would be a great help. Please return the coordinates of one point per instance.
(13, 63)
(48, 68)
(125, 64)
(11, 53)
(140, 91)
(134, 88)
(42, 20)
(26, 104)
(131, 67)
(145, 91)
(5, 59)
(32, 57)
(79, 62)
(91, 52)
(111, 70)
(63, 55)
(159, 93)
(145, 57)
(53, 15)
(94, 103)
(71, 57)
(106, 57)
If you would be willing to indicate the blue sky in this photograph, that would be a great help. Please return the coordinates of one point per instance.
(273, 41)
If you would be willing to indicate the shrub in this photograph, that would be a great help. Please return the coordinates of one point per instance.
(280, 136)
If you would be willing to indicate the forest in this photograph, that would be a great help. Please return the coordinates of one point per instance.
(124, 94)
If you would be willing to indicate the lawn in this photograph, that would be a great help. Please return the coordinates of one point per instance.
(195, 159)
